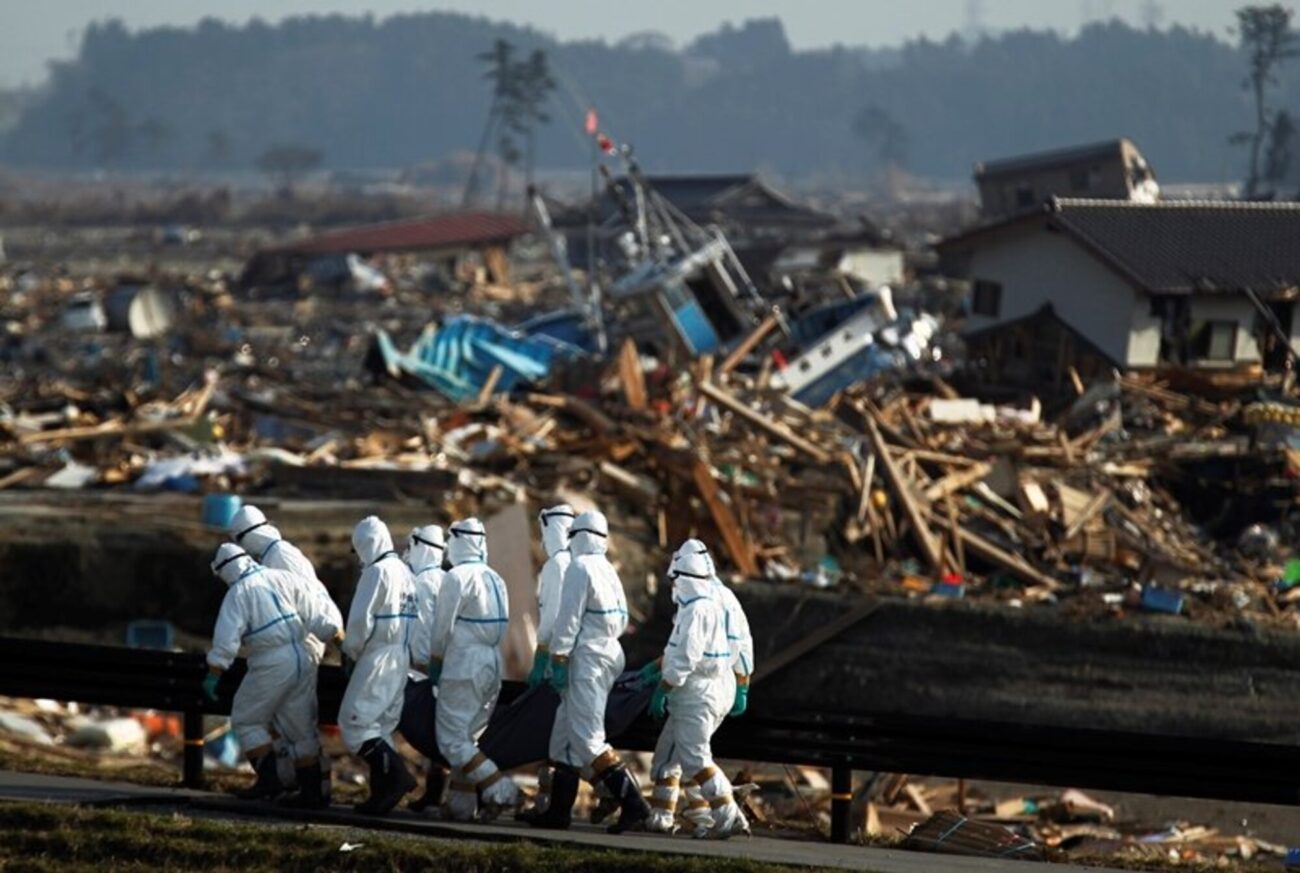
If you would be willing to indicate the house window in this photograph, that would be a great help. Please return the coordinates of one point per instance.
(987, 298)
(1024, 196)
(1215, 341)
(1080, 179)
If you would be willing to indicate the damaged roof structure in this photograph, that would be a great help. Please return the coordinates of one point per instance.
(439, 234)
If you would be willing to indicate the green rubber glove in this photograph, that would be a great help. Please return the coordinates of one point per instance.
(651, 673)
(742, 701)
(537, 675)
(435, 670)
(347, 664)
(559, 674)
(210, 686)
(659, 703)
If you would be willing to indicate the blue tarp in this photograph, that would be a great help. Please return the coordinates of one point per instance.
(457, 357)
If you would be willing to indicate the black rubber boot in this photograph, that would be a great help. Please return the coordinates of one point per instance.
(389, 778)
(309, 794)
(559, 813)
(267, 786)
(435, 781)
(633, 810)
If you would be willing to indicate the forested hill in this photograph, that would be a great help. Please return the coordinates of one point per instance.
(409, 89)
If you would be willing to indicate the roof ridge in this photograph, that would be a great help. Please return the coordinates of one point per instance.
(1058, 204)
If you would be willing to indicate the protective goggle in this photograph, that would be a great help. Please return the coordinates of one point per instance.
(422, 541)
(574, 531)
(248, 530)
(216, 568)
(558, 513)
(674, 574)
(465, 532)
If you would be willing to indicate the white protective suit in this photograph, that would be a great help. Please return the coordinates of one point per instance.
(267, 614)
(739, 638)
(697, 664)
(472, 618)
(381, 622)
(424, 556)
(556, 523)
(262, 540)
(592, 617)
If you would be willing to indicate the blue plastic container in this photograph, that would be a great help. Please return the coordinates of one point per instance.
(219, 509)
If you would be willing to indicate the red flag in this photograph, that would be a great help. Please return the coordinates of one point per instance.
(593, 123)
(606, 144)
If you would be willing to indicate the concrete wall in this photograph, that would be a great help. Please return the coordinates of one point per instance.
(1035, 266)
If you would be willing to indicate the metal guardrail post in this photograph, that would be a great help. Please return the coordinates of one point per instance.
(841, 803)
(193, 760)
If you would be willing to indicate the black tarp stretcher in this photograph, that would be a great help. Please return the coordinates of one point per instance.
(519, 732)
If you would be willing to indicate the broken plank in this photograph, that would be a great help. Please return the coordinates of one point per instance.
(954, 482)
(630, 376)
(749, 343)
(902, 489)
(733, 538)
(1090, 511)
(775, 428)
(1013, 564)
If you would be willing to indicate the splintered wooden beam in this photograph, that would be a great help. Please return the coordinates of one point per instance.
(630, 375)
(1087, 514)
(756, 336)
(902, 489)
(954, 482)
(775, 428)
(733, 538)
(1014, 564)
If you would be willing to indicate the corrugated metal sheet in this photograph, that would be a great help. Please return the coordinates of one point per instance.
(453, 230)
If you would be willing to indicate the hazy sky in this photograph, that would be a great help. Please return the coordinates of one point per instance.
(34, 31)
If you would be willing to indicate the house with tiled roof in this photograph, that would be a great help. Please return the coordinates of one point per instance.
(1208, 284)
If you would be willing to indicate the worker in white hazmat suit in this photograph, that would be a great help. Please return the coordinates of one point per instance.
(586, 659)
(697, 690)
(739, 638)
(251, 530)
(424, 555)
(472, 618)
(268, 615)
(667, 775)
(381, 621)
(554, 523)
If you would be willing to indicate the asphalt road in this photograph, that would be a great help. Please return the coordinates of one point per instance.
(60, 789)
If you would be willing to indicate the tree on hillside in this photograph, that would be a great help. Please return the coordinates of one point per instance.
(1265, 34)
(287, 163)
(883, 135)
(102, 130)
(501, 73)
(520, 90)
(533, 89)
(1277, 160)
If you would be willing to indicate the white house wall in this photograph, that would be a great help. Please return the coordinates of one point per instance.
(1035, 267)
(1236, 308)
(875, 267)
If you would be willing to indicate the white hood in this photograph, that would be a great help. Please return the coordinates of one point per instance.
(589, 534)
(250, 529)
(426, 548)
(468, 543)
(371, 540)
(555, 523)
(692, 578)
(231, 563)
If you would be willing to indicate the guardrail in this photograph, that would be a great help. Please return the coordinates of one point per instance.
(842, 741)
